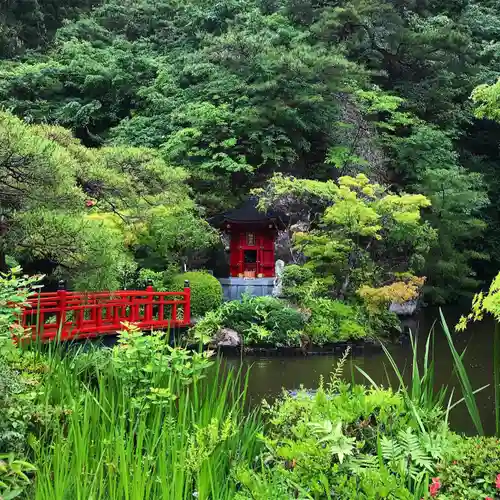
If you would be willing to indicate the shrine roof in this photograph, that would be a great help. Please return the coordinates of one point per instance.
(248, 213)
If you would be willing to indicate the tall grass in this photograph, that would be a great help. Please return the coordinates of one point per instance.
(110, 447)
(496, 375)
(423, 393)
(467, 391)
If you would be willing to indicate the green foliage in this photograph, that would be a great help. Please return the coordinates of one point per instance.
(86, 213)
(17, 396)
(146, 408)
(472, 470)
(14, 293)
(143, 411)
(206, 291)
(24, 416)
(146, 277)
(237, 91)
(410, 453)
(26, 24)
(366, 485)
(484, 303)
(260, 320)
(346, 439)
(18, 391)
(429, 164)
(174, 236)
(333, 321)
(319, 321)
(487, 99)
(13, 476)
(296, 282)
(284, 324)
(142, 373)
(364, 231)
(275, 316)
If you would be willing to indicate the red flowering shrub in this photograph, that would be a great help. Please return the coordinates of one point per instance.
(434, 487)
(472, 473)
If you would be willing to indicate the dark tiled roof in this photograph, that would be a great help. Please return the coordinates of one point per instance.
(246, 213)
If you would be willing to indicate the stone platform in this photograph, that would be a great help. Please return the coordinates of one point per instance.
(234, 288)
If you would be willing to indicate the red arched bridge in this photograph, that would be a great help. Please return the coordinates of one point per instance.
(69, 315)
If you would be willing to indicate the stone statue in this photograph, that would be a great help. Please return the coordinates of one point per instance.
(278, 280)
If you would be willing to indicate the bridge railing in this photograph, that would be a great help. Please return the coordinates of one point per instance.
(69, 315)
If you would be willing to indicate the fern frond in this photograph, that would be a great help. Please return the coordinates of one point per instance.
(391, 449)
(363, 462)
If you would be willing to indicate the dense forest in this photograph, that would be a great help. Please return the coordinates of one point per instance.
(127, 127)
(127, 123)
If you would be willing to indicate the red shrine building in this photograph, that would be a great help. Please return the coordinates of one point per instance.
(252, 237)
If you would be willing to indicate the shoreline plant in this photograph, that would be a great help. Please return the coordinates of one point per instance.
(145, 419)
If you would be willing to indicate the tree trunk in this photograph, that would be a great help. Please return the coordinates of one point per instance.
(3, 256)
(3, 262)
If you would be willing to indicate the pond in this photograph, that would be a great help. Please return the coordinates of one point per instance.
(268, 376)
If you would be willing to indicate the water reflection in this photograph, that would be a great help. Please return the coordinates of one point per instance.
(268, 376)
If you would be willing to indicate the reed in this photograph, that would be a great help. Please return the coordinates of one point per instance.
(110, 447)
(469, 395)
(423, 393)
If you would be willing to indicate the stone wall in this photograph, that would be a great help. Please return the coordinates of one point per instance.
(234, 288)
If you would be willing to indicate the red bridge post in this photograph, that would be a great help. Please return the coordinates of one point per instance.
(187, 303)
(61, 314)
(148, 308)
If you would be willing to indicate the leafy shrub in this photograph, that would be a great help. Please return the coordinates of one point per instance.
(22, 409)
(142, 364)
(258, 319)
(14, 291)
(382, 322)
(283, 322)
(408, 288)
(371, 484)
(13, 476)
(206, 291)
(208, 327)
(20, 378)
(16, 400)
(350, 440)
(332, 321)
(281, 484)
(301, 284)
(156, 278)
(294, 275)
(295, 278)
(239, 315)
(274, 315)
(472, 470)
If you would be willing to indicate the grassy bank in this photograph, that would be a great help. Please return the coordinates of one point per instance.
(147, 420)
(139, 421)
(143, 420)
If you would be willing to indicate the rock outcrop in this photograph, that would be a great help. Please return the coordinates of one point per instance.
(227, 337)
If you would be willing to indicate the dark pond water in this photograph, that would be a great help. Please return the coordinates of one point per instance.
(268, 376)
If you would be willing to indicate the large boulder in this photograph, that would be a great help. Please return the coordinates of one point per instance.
(228, 338)
(407, 308)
